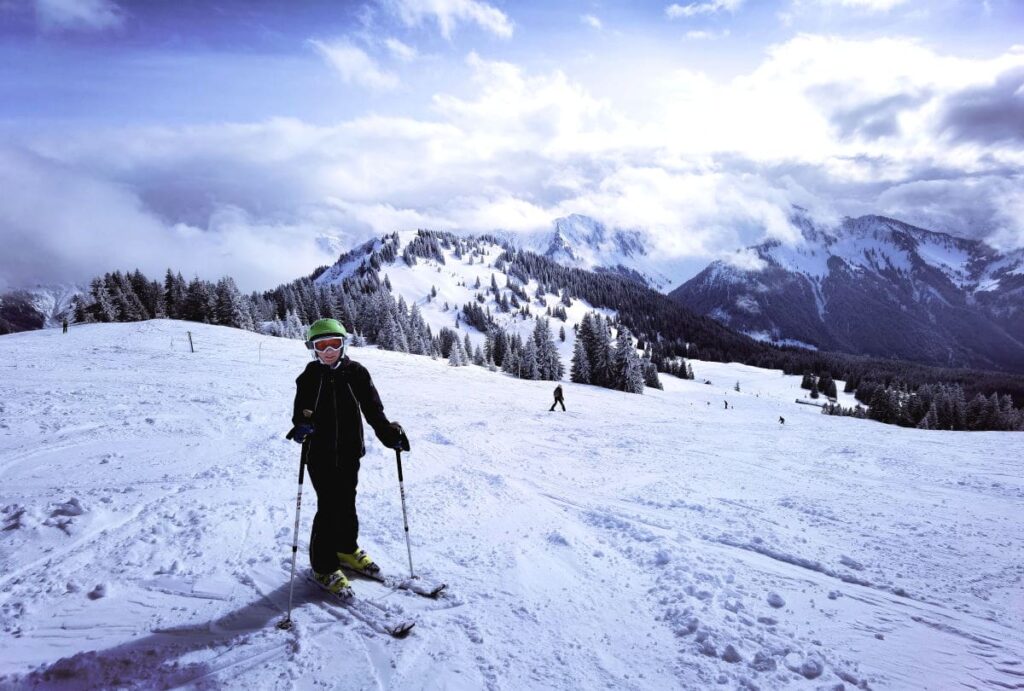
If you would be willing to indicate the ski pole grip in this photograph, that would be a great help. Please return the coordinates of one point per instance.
(398, 460)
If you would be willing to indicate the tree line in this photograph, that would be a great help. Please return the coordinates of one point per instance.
(933, 406)
(666, 332)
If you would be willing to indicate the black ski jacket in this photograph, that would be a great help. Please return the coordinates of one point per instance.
(336, 397)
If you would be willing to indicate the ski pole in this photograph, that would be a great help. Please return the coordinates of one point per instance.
(403, 445)
(286, 623)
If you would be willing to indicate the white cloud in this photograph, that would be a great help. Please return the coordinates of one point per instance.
(704, 165)
(516, 112)
(867, 5)
(100, 225)
(354, 65)
(745, 260)
(381, 217)
(401, 51)
(592, 21)
(694, 9)
(86, 15)
(706, 35)
(449, 13)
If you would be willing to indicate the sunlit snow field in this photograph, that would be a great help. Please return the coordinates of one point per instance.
(647, 542)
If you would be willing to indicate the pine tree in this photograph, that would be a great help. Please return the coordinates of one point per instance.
(651, 375)
(82, 314)
(529, 368)
(457, 357)
(103, 309)
(387, 338)
(627, 371)
(931, 419)
(599, 352)
(228, 309)
(198, 305)
(548, 361)
(595, 345)
(293, 326)
(580, 372)
(500, 348)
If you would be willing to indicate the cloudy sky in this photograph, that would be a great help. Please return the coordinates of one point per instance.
(257, 138)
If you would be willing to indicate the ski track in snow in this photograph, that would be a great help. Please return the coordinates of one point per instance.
(655, 541)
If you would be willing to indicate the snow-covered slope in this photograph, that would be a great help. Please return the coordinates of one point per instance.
(639, 542)
(874, 286)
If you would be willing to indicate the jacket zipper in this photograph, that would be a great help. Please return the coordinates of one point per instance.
(359, 416)
(334, 395)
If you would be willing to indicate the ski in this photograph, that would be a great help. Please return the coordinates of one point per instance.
(418, 585)
(369, 613)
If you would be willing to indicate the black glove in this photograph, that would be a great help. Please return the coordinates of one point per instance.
(300, 432)
(396, 438)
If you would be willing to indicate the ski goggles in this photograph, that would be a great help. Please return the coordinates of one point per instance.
(329, 344)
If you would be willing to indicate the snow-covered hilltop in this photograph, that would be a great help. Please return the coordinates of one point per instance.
(459, 285)
(440, 277)
(640, 542)
(876, 286)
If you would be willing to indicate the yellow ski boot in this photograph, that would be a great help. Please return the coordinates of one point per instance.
(358, 561)
(335, 583)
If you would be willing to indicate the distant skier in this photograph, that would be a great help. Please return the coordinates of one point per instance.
(782, 420)
(65, 325)
(329, 395)
(558, 399)
(726, 404)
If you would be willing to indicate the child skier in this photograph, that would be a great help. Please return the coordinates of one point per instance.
(330, 395)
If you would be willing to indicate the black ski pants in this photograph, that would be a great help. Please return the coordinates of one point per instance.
(335, 525)
(558, 401)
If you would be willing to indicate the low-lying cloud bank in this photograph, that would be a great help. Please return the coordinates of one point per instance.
(838, 127)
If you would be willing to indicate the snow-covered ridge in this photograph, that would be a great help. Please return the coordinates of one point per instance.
(879, 244)
(874, 286)
(661, 541)
(439, 280)
(52, 301)
(583, 242)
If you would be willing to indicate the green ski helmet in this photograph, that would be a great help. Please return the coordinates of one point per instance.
(324, 327)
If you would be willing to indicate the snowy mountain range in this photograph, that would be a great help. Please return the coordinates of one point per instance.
(582, 242)
(874, 286)
(869, 286)
(473, 283)
(39, 307)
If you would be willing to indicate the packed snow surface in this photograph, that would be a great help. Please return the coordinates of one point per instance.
(639, 542)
